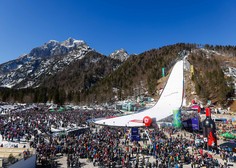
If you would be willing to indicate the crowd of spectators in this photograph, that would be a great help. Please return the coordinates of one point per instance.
(101, 145)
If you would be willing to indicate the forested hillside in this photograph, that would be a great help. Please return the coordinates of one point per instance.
(210, 81)
(137, 75)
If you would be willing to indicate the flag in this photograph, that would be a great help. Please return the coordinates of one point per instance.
(211, 139)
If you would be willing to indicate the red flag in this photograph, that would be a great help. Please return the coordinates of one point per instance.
(211, 139)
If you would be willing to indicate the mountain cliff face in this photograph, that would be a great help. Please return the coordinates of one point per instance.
(54, 48)
(28, 70)
(121, 55)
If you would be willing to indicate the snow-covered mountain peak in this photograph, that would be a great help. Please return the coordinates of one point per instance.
(51, 43)
(70, 42)
(50, 58)
(120, 54)
(53, 48)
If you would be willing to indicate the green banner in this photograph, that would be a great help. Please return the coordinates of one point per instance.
(177, 118)
(163, 72)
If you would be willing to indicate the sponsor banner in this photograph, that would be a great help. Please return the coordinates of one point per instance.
(177, 118)
(134, 131)
(135, 134)
(192, 123)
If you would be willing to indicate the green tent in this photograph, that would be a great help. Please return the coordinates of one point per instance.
(228, 135)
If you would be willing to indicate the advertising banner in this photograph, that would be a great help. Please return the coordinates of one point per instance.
(135, 134)
(177, 118)
(191, 124)
(134, 131)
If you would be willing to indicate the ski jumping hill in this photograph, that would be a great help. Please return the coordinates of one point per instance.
(171, 99)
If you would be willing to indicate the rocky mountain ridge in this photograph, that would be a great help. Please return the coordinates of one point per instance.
(121, 55)
(54, 48)
(52, 57)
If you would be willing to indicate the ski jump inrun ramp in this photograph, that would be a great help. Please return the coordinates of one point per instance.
(171, 98)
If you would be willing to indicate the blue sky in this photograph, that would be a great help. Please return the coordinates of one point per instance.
(107, 25)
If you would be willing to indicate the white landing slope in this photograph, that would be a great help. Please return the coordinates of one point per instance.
(171, 98)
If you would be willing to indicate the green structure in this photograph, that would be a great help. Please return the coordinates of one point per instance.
(163, 72)
(177, 118)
